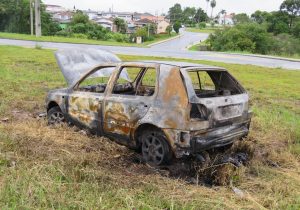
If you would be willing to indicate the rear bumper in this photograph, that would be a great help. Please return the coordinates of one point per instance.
(207, 142)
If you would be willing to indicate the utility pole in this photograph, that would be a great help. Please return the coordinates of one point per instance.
(31, 17)
(38, 27)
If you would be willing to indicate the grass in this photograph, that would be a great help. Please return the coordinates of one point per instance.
(203, 30)
(60, 168)
(160, 37)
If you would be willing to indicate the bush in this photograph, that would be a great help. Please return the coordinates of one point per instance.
(64, 33)
(285, 44)
(296, 30)
(231, 39)
(202, 25)
(250, 37)
(176, 27)
(119, 37)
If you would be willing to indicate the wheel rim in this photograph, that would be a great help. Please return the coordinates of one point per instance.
(153, 150)
(56, 118)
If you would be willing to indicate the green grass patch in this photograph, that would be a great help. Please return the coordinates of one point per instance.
(202, 30)
(47, 168)
(158, 38)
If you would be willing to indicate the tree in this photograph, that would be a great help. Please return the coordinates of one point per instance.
(292, 7)
(296, 30)
(121, 25)
(200, 16)
(213, 4)
(223, 12)
(207, 3)
(79, 17)
(177, 26)
(169, 30)
(175, 13)
(278, 22)
(189, 15)
(15, 16)
(260, 16)
(240, 18)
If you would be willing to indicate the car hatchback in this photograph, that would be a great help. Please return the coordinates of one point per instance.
(164, 109)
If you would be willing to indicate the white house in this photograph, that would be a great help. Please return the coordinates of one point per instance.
(63, 17)
(105, 22)
(162, 26)
(50, 8)
(92, 14)
(126, 16)
(228, 18)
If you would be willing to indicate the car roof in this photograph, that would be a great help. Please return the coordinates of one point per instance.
(186, 65)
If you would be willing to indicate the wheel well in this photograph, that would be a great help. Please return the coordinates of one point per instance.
(142, 128)
(51, 105)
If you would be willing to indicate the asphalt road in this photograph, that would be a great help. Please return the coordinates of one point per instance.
(173, 49)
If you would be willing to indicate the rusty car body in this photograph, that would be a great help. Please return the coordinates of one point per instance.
(179, 109)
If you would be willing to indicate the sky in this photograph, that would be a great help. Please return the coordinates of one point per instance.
(162, 6)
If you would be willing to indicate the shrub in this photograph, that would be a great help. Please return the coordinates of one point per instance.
(176, 27)
(231, 39)
(64, 33)
(119, 37)
(296, 30)
(285, 44)
(142, 32)
(79, 28)
(202, 25)
(250, 37)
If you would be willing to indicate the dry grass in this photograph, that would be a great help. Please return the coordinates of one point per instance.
(62, 168)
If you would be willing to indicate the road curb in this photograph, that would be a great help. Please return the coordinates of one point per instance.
(163, 41)
(262, 56)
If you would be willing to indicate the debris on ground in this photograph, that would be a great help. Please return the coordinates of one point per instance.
(5, 119)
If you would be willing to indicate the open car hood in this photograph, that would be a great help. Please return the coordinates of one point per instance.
(75, 63)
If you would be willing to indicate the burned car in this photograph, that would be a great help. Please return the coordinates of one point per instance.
(164, 109)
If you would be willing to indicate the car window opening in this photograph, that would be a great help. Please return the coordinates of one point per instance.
(143, 83)
(214, 83)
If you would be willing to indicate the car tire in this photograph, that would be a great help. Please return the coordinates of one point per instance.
(55, 116)
(155, 148)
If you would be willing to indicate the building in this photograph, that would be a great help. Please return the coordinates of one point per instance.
(143, 22)
(126, 16)
(162, 26)
(50, 8)
(107, 23)
(63, 18)
(228, 18)
(92, 14)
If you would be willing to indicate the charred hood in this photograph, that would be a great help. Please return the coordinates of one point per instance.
(75, 63)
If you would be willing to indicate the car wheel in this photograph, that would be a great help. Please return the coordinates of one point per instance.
(155, 149)
(55, 116)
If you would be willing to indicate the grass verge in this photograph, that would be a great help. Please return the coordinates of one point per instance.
(203, 30)
(160, 37)
(60, 168)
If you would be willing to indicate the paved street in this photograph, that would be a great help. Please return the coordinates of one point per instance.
(173, 49)
(187, 38)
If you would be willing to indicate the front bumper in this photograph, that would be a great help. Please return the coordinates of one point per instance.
(202, 143)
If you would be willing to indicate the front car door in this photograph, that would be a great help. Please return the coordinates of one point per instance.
(84, 102)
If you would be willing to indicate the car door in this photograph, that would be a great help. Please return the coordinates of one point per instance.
(123, 109)
(84, 103)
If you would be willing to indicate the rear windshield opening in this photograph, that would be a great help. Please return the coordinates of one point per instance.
(214, 83)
